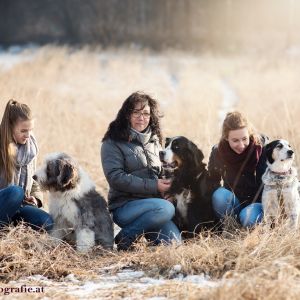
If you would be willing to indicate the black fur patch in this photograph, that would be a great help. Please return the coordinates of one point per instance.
(269, 150)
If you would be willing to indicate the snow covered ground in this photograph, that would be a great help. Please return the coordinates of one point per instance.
(100, 286)
(14, 55)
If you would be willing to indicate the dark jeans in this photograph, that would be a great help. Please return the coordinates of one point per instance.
(12, 210)
(150, 216)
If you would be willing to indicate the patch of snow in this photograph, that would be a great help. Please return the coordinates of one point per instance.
(135, 280)
(16, 54)
(130, 274)
(38, 277)
(201, 280)
(71, 278)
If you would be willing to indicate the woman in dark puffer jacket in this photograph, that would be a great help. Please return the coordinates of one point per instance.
(130, 160)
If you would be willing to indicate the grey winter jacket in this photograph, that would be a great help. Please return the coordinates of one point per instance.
(131, 169)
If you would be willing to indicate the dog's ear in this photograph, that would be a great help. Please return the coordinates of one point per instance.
(66, 174)
(167, 141)
(269, 150)
(196, 155)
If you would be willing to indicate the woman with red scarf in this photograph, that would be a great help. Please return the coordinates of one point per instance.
(238, 160)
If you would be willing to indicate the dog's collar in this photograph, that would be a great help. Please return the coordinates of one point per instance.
(282, 173)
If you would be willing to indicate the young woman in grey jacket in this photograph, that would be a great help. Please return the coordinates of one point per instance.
(20, 196)
(130, 160)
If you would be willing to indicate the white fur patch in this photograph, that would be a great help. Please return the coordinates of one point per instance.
(63, 207)
(168, 157)
(85, 239)
(182, 200)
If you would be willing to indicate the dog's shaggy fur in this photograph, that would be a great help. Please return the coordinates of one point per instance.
(182, 161)
(80, 213)
(280, 198)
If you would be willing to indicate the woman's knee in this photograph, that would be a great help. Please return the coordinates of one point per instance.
(164, 210)
(224, 202)
(251, 215)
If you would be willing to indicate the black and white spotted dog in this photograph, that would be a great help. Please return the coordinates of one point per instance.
(182, 161)
(80, 213)
(280, 198)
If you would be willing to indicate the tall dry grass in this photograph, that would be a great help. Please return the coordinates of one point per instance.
(76, 93)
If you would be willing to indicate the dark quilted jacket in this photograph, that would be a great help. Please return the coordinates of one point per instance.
(131, 169)
(247, 187)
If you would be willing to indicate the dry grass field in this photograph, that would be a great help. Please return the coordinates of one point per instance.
(76, 93)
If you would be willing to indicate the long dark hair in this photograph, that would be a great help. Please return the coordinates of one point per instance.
(119, 129)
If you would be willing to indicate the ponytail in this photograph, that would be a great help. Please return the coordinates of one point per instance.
(14, 112)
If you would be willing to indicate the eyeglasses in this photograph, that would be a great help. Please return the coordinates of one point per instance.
(137, 114)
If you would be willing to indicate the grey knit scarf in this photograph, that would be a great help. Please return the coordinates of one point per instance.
(142, 137)
(25, 155)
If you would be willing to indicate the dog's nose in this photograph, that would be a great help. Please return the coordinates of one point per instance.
(161, 155)
(290, 153)
(34, 177)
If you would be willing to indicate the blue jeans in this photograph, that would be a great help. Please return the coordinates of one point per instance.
(150, 216)
(12, 210)
(225, 203)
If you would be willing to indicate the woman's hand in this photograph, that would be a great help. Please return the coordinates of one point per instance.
(169, 198)
(30, 200)
(163, 185)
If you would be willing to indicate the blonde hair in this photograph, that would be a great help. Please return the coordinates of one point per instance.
(235, 120)
(14, 112)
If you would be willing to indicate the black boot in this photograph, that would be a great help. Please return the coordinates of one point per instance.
(124, 242)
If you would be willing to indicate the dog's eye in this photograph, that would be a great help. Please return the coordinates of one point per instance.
(279, 146)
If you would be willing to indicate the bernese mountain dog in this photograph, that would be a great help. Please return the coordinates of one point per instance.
(182, 161)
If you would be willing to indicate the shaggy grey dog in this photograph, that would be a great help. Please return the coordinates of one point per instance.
(80, 213)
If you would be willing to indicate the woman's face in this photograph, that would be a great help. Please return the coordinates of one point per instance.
(140, 117)
(238, 139)
(22, 131)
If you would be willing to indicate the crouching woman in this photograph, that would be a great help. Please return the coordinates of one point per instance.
(130, 160)
(20, 197)
(238, 160)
